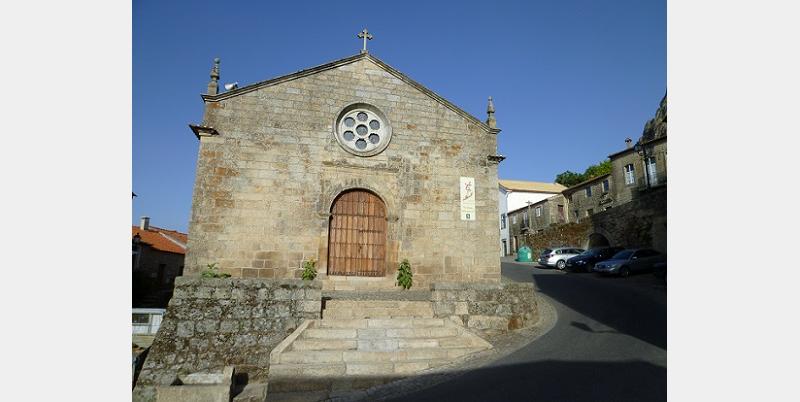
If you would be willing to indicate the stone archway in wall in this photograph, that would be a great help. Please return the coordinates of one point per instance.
(357, 234)
(596, 240)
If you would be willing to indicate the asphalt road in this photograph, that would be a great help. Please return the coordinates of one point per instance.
(609, 344)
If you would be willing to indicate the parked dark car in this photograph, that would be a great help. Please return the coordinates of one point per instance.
(585, 261)
(628, 261)
(660, 270)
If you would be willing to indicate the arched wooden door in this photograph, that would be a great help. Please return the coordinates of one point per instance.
(357, 235)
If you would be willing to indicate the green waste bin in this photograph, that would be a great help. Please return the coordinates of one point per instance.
(524, 254)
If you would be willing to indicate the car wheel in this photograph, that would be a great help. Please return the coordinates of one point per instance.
(624, 272)
(561, 264)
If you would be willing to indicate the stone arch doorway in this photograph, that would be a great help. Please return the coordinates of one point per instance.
(357, 234)
(596, 240)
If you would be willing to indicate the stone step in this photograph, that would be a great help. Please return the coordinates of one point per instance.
(324, 344)
(355, 309)
(409, 355)
(355, 283)
(401, 304)
(399, 322)
(347, 314)
(331, 356)
(329, 333)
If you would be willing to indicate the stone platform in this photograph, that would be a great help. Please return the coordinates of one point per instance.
(360, 344)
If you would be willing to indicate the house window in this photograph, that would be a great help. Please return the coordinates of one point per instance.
(651, 170)
(629, 178)
(525, 220)
(141, 318)
(588, 191)
(561, 214)
(502, 221)
(589, 212)
(577, 214)
(538, 211)
(514, 219)
(605, 186)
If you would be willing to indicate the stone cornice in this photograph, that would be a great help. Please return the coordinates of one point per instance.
(496, 159)
(203, 131)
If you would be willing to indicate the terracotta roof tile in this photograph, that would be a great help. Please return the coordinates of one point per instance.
(162, 239)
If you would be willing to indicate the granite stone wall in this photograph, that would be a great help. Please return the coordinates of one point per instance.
(641, 222)
(212, 323)
(265, 184)
(487, 308)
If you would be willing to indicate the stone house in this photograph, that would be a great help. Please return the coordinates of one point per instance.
(627, 207)
(352, 164)
(589, 197)
(158, 258)
(514, 194)
(537, 217)
(643, 166)
(629, 167)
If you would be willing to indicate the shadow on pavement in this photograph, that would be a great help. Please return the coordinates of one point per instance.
(555, 381)
(625, 311)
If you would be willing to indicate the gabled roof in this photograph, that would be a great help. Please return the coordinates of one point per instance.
(531, 186)
(538, 203)
(160, 239)
(342, 62)
(584, 183)
(631, 149)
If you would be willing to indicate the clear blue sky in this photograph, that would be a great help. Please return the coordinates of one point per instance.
(570, 79)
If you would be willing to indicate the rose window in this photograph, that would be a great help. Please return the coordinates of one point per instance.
(363, 130)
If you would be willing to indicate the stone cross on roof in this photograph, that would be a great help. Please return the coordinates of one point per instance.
(364, 34)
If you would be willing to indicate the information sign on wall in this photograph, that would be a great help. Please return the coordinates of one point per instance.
(467, 198)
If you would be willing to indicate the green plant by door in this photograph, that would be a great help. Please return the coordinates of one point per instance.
(309, 270)
(404, 275)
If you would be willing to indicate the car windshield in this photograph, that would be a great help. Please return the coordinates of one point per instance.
(592, 252)
(546, 251)
(622, 255)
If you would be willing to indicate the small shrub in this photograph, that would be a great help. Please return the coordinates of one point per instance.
(213, 272)
(309, 270)
(404, 275)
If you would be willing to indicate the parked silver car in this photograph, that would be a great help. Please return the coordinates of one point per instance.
(631, 260)
(557, 257)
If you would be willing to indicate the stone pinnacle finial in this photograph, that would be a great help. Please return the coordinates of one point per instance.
(213, 85)
(490, 112)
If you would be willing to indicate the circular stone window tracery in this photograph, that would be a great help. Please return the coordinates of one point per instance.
(362, 129)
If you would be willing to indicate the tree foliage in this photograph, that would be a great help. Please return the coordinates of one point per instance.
(570, 178)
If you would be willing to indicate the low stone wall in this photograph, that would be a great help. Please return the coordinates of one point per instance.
(488, 308)
(212, 323)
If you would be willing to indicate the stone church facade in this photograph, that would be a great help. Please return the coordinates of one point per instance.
(352, 164)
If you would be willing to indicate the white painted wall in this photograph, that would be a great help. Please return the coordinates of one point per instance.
(510, 201)
(503, 207)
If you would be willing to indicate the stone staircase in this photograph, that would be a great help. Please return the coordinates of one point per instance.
(359, 344)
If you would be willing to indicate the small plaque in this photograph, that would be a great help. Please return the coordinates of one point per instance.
(467, 198)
